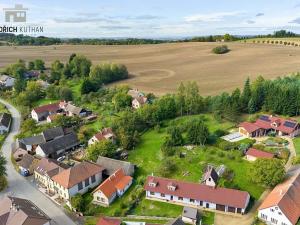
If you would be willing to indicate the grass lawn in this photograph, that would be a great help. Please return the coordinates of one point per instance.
(297, 145)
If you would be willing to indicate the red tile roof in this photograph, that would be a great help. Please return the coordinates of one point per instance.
(74, 175)
(287, 197)
(250, 127)
(104, 134)
(259, 154)
(116, 181)
(108, 221)
(47, 108)
(200, 192)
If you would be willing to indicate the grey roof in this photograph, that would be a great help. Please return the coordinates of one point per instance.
(73, 109)
(50, 167)
(210, 172)
(53, 133)
(34, 140)
(190, 212)
(62, 143)
(5, 119)
(23, 212)
(177, 221)
(112, 165)
(26, 161)
(4, 77)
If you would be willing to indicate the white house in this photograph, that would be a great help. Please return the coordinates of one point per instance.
(77, 179)
(114, 186)
(282, 205)
(104, 134)
(41, 113)
(5, 121)
(7, 81)
(210, 177)
(196, 195)
(138, 102)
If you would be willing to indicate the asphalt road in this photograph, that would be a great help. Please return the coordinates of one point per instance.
(21, 187)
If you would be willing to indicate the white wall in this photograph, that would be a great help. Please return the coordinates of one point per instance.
(34, 116)
(40, 152)
(250, 158)
(275, 214)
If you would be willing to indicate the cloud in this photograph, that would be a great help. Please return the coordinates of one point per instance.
(88, 14)
(297, 20)
(250, 21)
(297, 5)
(259, 14)
(147, 17)
(83, 20)
(108, 27)
(211, 17)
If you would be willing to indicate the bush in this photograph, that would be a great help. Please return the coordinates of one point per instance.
(296, 160)
(3, 183)
(221, 49)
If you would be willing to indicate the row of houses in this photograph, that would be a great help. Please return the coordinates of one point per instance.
(48, 112)
(65, 181)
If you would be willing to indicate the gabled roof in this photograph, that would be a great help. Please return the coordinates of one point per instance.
(217, 195)
(54, 107)
(286, 196)
(73, 109)
(249, 127)
(60, 143)
(5, 119)
(142, 100)
(210, 172)
(189, 212)
(135, 93)
(34, 140)
(259, 154)
(112, 165)
(26, 161)
(105, 134)
(108, 221)
(49, 167)
(53, 133)
(4, 78)
(177, 221)
(74, 175)
(17, 211)
(117, 181)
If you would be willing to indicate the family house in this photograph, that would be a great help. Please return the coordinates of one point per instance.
(104, 134)
(45, 170)
(113, 165)
(253, 154)
(138, 102)
(17, 211)
(282, 205)
(27, 164)
(58, 146)
(5, 121)
(268, 123)
(72, 110)
(114, 186)
(18, 153)
(6, 81)
(108, 221)
(210, 177)
(41, 113)
(196, 195)
(77, 179)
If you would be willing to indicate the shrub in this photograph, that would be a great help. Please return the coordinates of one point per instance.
(3, 183)
(221, 49)
(296, 160)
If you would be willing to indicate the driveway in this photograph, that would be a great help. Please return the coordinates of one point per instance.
(19, 186)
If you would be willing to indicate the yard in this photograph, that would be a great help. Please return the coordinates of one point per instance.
(297, 145)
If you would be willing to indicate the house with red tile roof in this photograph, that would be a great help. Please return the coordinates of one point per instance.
(41, 113)
(104, 134)
(196, 195)
(268, 123)
(108, 221)
(252, 154)
(77, 179)
(114, 186)
(282, 205)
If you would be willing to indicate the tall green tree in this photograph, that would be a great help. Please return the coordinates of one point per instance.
(197, 132)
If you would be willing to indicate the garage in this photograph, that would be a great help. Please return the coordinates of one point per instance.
(239, 210)
(231, 209)
(220, 207)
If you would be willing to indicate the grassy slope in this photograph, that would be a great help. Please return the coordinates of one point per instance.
(297, 145)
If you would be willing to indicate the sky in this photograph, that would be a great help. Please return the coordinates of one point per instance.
(158, 18)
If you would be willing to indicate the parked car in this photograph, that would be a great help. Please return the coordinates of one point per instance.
(62, 158)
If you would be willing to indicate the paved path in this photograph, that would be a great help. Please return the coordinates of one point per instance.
(19, 186)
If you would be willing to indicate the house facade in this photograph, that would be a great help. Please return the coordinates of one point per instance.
(196, 195)
(104, 134)
(282, 205)
(77, 179)
(114, 186)
(41, 113)
(268, 123)
(138, 102)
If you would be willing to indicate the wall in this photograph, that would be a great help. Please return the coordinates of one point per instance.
(282, 219)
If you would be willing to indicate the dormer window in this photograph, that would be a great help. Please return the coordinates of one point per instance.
(172, 186)
(152, 184)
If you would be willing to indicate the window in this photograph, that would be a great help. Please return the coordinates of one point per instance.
(151, 193)
(87, 182)
(263, 216)
(274, 220)
(162, 195)
(180, 198)
(80, 186)
(279, 213)
(201, 203)
(272, 210)
(192, 200)
(93, 179)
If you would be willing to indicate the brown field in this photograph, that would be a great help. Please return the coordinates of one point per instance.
(160, 68)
